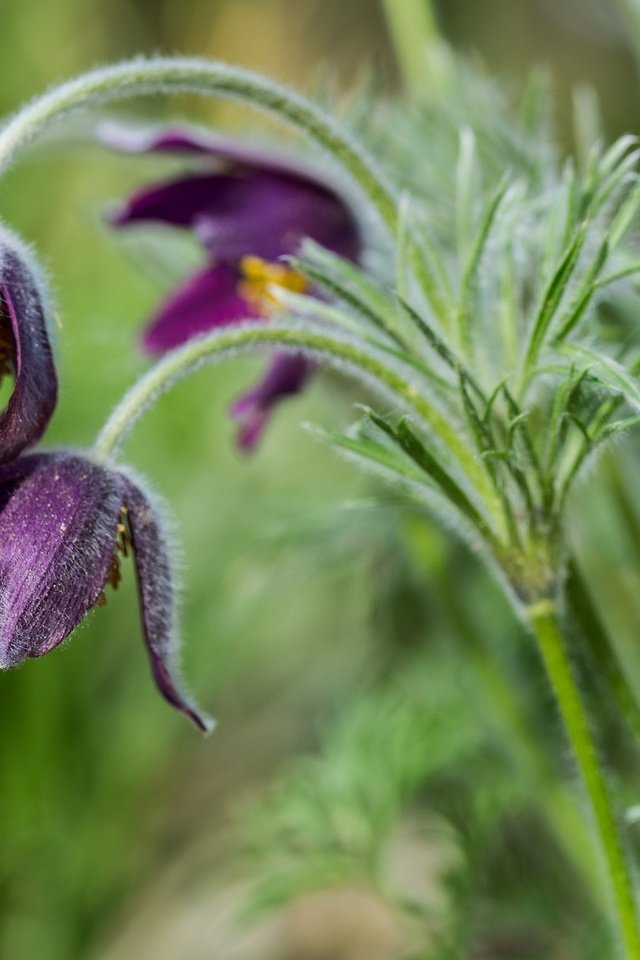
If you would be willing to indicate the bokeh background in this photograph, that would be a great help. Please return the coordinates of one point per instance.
(118, 823)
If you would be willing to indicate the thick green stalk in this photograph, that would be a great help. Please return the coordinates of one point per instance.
(604, 656)
(543, 618)
(571, 832)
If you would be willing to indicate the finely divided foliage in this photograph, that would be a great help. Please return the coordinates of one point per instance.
(512, 340)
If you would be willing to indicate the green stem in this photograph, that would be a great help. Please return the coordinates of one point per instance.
(571, 832)
(605, 657)
(543, 619)
(360, 358)
(414, 31)
(631, 13)
(205, 77)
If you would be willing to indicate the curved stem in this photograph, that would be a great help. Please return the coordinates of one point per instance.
(360, 359)
(141, 77)
(211, 78)
(544, 621)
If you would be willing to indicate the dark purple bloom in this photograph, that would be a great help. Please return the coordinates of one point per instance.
(65, 525)
(249, 209)
(25, 353)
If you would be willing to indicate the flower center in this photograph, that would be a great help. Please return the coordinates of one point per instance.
(123, 542)
(261, 278)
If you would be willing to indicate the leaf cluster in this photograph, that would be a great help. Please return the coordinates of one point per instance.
(508, 302)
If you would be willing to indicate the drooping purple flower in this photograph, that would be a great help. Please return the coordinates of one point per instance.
(249, 209)
(66, 523)
(25, 353)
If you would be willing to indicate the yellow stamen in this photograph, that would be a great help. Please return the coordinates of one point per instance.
(122, 544)
(261, 279)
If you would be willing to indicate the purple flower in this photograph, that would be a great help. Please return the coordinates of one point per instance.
(25, 352)
(66, 524)
(249, 209)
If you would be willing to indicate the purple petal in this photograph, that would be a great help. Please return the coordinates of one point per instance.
(270, 216)
(60, 519)
(287, 374)
(179, 202)
(207, 300)
(254, 204)
(130, 139)
(13, 473)
(28, 350)
(228, 151)
(259, 202)
(57, 531)
(260, 213)
(157, 600)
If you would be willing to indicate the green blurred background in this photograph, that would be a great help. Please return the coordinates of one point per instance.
(116, 817)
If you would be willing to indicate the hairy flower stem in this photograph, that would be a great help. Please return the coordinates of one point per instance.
(347, 354)
(543, 618)
(141, 77)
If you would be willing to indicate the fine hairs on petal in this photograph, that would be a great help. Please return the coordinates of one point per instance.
(172, 587)
(26, 348)
(40, 276)
(58, 527)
